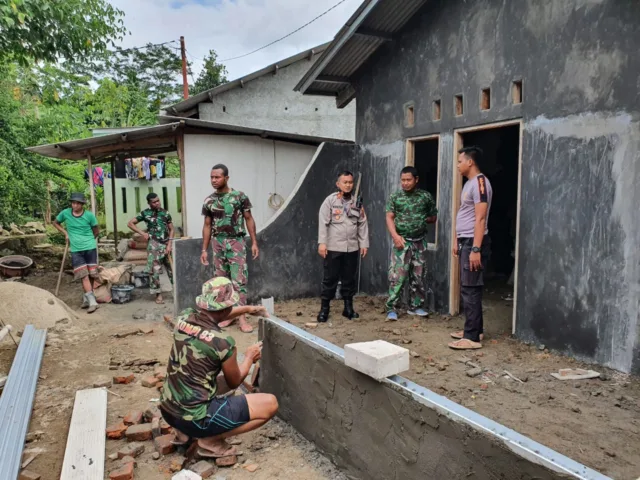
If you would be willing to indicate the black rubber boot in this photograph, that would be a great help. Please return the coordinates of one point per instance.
(348, 311)
(323, 316)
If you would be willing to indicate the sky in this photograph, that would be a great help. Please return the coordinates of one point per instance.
(233, 27)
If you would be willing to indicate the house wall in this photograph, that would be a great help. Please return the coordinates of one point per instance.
(578, 272)
(258, 167)
(131, 198)
(269, 102)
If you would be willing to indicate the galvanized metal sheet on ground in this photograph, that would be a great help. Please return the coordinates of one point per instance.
(16, 402)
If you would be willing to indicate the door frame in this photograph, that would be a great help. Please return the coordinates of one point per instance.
(456, 190)
(410, 161)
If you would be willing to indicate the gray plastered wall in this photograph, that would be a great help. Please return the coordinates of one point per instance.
(578, 288)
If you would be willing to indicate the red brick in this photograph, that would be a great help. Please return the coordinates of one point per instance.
(203, 468)
(229, 461)
(156, 431)
(149, 382)
(131, 450)
(116, 432)
(160, 373)
(133, 418)
(177, 463)
(163, 444)
(123, 380)
(27, 475)
(151, 413)
(123, 473)
(139, 433)
(128, 459)
(159, 385)
(165, 428)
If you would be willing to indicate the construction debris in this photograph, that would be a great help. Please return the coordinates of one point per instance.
(575, 374)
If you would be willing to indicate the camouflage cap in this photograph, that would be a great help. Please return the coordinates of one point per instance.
(217, 294)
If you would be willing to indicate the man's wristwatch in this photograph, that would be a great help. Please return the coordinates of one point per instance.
(475, 249)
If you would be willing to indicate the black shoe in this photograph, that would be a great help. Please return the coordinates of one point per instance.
(323, 316)
(348, 311)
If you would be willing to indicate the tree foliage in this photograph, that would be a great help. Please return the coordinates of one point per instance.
(211, 75)
(51, 30)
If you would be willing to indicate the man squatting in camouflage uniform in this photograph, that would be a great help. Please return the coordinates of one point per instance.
(225, 213)
(343, 235)
(190, 400)
(159, 236)
(408, 213)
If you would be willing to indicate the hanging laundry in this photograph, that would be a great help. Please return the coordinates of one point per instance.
(98, 177)
(152, 166)
(145, 168)
(137, 167)
(128, 167)
(160, 168)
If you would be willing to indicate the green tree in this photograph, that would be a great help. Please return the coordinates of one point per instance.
(211, 75)
(48, 30)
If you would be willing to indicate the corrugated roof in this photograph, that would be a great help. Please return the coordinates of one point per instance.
(374, 23)
(205, 96)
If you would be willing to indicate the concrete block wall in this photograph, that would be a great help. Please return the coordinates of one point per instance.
(393, 429)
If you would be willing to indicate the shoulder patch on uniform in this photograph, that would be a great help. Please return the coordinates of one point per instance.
(482, 189)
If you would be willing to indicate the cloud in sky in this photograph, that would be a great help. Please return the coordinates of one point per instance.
(233, 27)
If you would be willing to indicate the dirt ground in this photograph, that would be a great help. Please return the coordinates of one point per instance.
(79, 354)
(595, 422)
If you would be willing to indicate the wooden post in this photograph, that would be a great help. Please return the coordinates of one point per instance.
(113, 202)
(185, 83)
(91, 186)
(47, 213)
(183, 190)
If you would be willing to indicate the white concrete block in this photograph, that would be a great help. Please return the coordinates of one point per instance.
(186, 475)
(378, 359)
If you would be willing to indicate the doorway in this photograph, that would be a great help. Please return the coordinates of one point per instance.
(501, 160)
(423, 153)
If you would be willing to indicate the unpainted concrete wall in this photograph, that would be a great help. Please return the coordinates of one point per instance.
(269, 102)
(392, 429)
(257, 166)
(579, 280)
(288, 265)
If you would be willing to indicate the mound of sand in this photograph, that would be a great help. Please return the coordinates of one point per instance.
(23, 304)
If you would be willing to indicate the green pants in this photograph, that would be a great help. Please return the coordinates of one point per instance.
(230, 260)
(157, 258)
(407, 265)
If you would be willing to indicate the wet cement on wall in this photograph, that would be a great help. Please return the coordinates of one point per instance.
(578, 286)
(289, 265)
(373, 430)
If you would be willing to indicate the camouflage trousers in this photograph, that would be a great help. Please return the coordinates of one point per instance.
(407, 265)
(156, 259)
(230, 260)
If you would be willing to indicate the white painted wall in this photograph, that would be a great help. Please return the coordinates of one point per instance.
(136, 192)
(257, 166)
(269, 103)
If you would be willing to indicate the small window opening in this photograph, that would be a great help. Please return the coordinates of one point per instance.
(124, 199)
(485, 99)
(437, 110)
(179, 199)
(409, 116)
(516, 92)
(136, 192)
(224, 109)
(165, 198)
(458, 105)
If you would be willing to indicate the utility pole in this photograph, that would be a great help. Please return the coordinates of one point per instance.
(185, 84)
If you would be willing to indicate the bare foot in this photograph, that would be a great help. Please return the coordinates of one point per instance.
(244, 326)
(215, 448)
(226, 323)
(159, 299)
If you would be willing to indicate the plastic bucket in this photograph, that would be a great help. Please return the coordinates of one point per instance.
(121, 293)
(141, 279)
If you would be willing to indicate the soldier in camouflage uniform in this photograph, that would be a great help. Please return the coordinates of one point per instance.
(202, 366)
(159, 236)
(225, 212)
(408, 213)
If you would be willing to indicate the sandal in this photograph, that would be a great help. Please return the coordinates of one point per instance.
(204, 453)
(460, 335)
(465, 344)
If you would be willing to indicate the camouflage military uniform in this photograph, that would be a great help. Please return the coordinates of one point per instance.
(228, 237)
(411, 210)
(199, 350)
(158, 222)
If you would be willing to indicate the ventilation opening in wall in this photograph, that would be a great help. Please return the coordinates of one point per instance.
(179, 199)
(409, 115)
(136, 193)
(458, 105)
(165, 198)
(485, 99)
(516, 92)
(224, 109)
(124, 199)
(424, 154)
(437, 110)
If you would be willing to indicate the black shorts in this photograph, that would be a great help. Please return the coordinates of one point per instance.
(85, 264)
(223, 415)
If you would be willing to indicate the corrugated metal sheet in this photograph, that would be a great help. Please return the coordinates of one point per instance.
(391, 15)
(349, 51)
(16, 402)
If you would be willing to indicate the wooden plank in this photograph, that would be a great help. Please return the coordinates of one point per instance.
(85, 452)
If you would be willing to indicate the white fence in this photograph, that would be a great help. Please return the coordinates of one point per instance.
(131, 198)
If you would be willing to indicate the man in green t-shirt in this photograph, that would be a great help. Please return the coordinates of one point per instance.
(408, 212)
(81, 233)
(159, 236)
